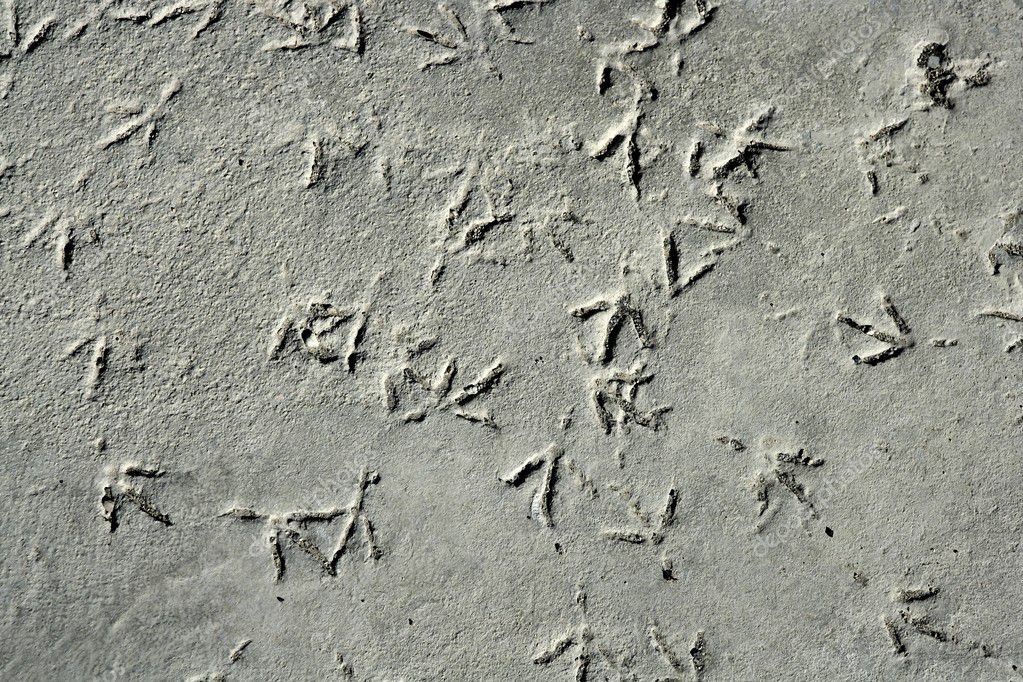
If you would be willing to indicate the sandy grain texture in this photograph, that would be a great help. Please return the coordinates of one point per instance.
(511, 339)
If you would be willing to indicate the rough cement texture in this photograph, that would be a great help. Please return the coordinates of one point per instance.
(511, 340)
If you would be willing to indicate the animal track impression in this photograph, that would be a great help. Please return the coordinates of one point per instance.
(290, 529)
(697, 656)
(577, 638)
(438, 392)
(897, 343)
(549, 463)
(323, 330)
(619, 312)
(312, 23)
(653, 529)
(614, 401)
(118, 488)
(919, 623)
(98, 358)
(140, 117)
(454, 43)
(782, 468)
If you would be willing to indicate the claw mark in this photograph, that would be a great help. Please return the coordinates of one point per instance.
(677, 281)
(100, 352)
(898, 648)
(695, 154)
(878, 147)
(455, 44)
(499, 7)
(715, 158)
(788, 479)
(1002, 315)
(747, 145)
(701, 270)
(620, 311)
(668, 12)
(438, 391)
(897, 344)
(886, 131)
(622, 139)
(661, 646)
(17, 45)
(890, 216)
(924, 626)
(761, 489)
(549, 460)
(1008, 242)
(653, 529)
(323, 144)
(483, 383)
(58, 232)
(315, 332)
(138, 15)
(185, 7)
(314, 152)
(320, 319)
(345, 668)
(666, 26)
(782, 468)
(12, 41)
(733, 443)
(872, 183)
(919, 623)
(668, 568)
(355, 41)
(697, 654)
(557, 239)
(236, 652)
(671, 262)
(97, 366)
(708, 225)
(355, 514)
(147, 119)
(325, 331)
(798, 458)
(461, 233)
(735, 207)
(578, 638)
(618, 390)
(308, 23)
(37, 33)
(290, 528)
(62, 231)
(908, 594)
(116, 489)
